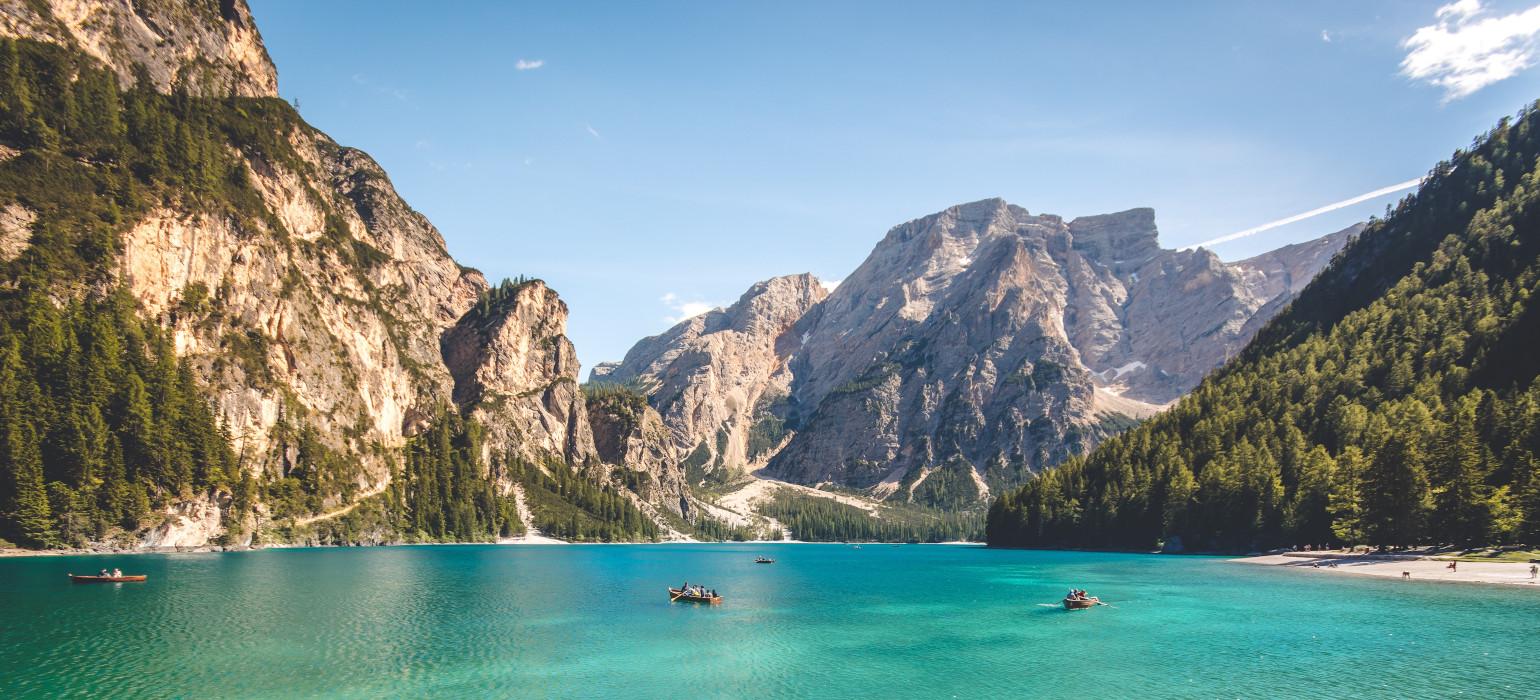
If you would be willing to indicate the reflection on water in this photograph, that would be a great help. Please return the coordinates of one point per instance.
(824, 621)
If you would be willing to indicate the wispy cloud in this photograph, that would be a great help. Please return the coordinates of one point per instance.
(829, 285)
(526, 64)
(1306, 215)
(1325, 36)
(1466, 48)
(683, 309)
(593, 132)
(388, 90)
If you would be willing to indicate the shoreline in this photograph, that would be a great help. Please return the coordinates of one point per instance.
(539, 541)
(1393, 566)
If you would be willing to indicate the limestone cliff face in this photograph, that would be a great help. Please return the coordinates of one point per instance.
(629, 433)
(209, 48)
(1288, 269)
(974, 346)
(1188, 312)
(949, 349)
(335, 311)
(721, 380)
(289, 324)
(516, 372)
(302, 322)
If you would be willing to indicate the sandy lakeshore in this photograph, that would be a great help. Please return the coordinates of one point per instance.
(1421, 569)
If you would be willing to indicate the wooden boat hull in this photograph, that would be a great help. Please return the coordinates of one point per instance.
(674, 594)
(764, 561)
(107, 579)
(1080, 603)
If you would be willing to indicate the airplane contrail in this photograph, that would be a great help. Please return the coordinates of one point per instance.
(1313, 212)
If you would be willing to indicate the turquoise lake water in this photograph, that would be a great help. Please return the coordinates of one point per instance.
(826, 621)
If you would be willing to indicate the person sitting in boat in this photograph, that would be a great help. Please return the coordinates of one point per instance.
(117, 573)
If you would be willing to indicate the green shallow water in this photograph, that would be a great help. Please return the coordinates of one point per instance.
(826, 621)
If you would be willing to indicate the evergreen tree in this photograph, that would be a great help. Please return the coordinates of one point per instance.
(1465, 504)
(1395, 496)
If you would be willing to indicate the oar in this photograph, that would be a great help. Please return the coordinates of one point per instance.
(675, 596)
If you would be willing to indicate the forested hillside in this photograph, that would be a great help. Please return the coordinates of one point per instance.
(120, 381)
(99, 420)
(814, 519)
(1395, 402)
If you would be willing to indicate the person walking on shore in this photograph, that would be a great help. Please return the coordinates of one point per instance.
(1534, 570)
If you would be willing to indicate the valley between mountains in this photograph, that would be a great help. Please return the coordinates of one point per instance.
(222, 328)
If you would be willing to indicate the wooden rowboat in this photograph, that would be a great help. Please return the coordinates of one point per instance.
(679, 594)
(1081, 603)
(106, 579)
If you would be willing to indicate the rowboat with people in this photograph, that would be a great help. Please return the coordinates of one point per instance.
(109, 578)
(763, 560)
(1079, 600)
(694, 594)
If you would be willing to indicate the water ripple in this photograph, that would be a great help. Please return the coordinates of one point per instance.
(825, 621)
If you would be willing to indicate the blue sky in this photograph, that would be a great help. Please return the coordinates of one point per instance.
(649, 160)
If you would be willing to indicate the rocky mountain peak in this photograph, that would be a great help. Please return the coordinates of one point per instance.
(971, 347)
(212, 49)
(771, 306)
(1123, 241)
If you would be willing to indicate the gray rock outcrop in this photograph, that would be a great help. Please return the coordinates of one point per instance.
(210, 49)
(972, 347)
(720, 380)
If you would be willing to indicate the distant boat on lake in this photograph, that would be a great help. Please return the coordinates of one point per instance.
(107, 579)
(763, 560)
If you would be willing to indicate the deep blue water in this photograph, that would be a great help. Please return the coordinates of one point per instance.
(826, 621)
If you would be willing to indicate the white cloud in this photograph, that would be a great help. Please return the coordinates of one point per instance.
(829, 285)
(1325, 36)
(592, 131)
(524, 64)
(1466, 49)
(684, 309)
(1306, 215)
